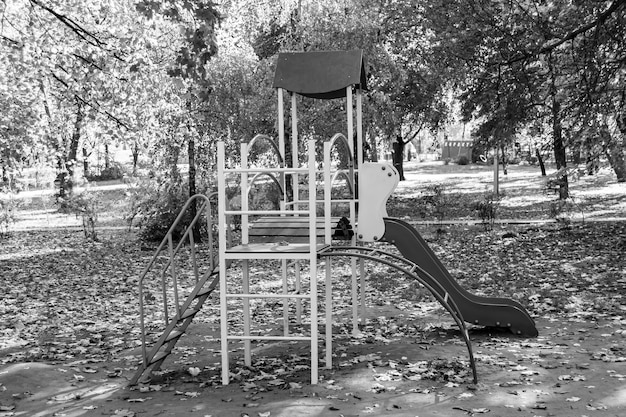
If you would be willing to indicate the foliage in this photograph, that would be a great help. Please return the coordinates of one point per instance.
(462, 160)
(435, 201)
(115, 171)
(154, 204)
(85, 205)
(8, 210)
(564, 210)
(487, 209)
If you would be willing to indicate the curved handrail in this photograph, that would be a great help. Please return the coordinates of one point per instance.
(167, 240)
(346, 175)
(272, 142)
(344, 140)
(271, 176)
(446, 301)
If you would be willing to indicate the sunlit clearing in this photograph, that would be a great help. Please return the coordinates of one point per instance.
(28, 254)
(617, 399)
(300, 407)
(522, 398)
(525, 200)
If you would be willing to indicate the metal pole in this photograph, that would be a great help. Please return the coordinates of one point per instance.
(496, 185)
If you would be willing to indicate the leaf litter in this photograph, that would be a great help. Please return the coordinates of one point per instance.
(48, 295)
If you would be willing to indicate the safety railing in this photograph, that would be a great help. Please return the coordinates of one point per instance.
(170, 287)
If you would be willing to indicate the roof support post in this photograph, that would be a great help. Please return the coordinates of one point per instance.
(350, 117)
(359, 127)
(281, 124)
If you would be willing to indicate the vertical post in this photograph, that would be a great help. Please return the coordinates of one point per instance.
(313, 263)
(281, 124)
(327, 192)
(245, 264)
(496, 179)
(359, 127)
(298, 291)
(349, 114)
(294, 148)
(244, 192)
(354, 297)
(362, 288)
(245, 289)
(281, 141)
(221, 203)
(329, 315)
(285, 300)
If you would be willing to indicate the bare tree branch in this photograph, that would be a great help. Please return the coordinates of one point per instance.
(81, 32)
(599, 20)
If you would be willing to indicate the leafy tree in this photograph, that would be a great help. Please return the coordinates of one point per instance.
(520, 62)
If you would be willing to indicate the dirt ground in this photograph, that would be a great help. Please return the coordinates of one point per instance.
(574, 368)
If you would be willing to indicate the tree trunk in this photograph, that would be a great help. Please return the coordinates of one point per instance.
(542, 165)
(372, 147)
(576, 151)
(191, 155)
(193, 208)
(614, 153)
(559, 147)
(107, 156)
(67, 162)
(85, 162)
(618, 152)
(135, 157)
(505, 165)
(397, 156)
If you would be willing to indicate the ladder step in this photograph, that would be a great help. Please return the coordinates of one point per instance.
(159, 356)
(174, 335)
(204, 291)
(189, 313)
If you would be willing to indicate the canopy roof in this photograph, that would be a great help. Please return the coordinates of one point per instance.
(323, 74)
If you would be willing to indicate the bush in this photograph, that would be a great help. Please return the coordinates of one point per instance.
(115, 171)
(155, 205)
(84, 205)
(435, 202)
(8, 208)
(487, 209)
(462, 160)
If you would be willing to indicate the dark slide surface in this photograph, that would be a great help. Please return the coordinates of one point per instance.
(483, 311)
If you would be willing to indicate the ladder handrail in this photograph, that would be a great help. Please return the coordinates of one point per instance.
(167, 244)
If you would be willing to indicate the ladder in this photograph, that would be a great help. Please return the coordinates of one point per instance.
(165, 264)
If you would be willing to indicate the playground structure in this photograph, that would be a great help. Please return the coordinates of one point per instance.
(310, 225)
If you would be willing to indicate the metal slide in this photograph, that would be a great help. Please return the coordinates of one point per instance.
(482, 311)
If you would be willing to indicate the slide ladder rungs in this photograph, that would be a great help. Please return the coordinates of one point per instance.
(267, 295)
(175, 334)
(283, 338)
(160, 356)
(190, 312)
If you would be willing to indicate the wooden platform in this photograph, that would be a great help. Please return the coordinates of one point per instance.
(293, 230)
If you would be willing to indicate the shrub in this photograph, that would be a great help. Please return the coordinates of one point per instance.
(84, 205)
(153, 207)
(564, 210)
(8, 208)
(462, 160)
(487, 209)
(115, 171)
(435, 202)
(155, 204)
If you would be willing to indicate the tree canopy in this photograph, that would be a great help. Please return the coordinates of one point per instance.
(167, 77)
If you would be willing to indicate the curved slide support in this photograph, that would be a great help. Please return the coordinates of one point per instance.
(483, 311)
(414, 271)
